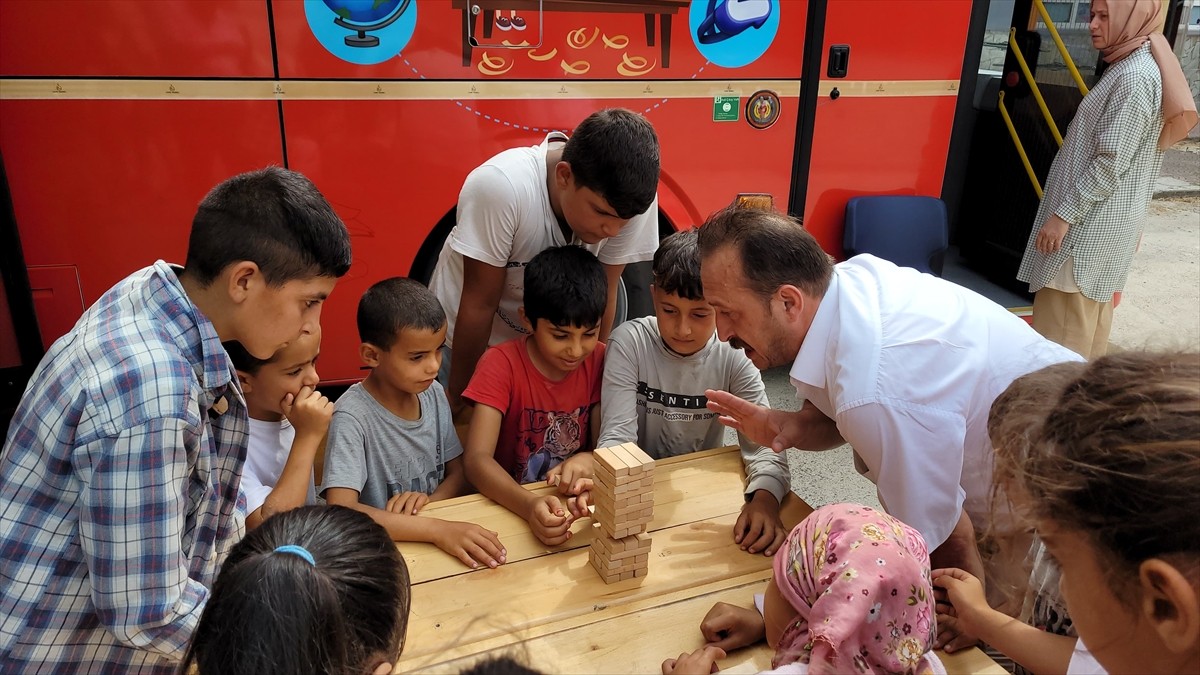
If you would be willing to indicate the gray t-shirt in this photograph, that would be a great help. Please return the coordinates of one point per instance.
(381, 455)
(655, 397)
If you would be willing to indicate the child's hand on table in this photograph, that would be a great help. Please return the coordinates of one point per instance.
(729, 627)
(700, 662)
(410, 503)
(470, 543)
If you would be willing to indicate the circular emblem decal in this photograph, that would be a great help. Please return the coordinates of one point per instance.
(762, 109)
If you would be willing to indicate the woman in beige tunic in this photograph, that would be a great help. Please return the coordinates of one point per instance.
(1102, 179)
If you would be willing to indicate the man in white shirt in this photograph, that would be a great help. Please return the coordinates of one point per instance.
(598, 190)
(902, 366)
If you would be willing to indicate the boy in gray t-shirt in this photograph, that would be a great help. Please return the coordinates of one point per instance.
(392, 446)
(656, 371)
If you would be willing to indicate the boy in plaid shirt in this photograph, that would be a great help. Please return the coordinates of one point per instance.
(120, 477)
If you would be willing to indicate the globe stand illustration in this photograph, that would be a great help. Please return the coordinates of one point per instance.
(355, 15)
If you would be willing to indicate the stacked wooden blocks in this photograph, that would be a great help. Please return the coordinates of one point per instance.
(623, 494)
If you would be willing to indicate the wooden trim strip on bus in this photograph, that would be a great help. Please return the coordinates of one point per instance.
(424, 90)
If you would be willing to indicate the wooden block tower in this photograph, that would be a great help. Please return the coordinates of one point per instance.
(623, 494)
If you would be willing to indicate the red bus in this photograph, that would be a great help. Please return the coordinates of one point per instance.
(116, 116)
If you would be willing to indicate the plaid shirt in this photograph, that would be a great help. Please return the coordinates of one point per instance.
(1102, 180)
(119, 486)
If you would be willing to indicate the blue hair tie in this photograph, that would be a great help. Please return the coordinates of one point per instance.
(298, 551)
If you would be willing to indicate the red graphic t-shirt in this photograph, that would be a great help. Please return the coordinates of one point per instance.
(544, 422)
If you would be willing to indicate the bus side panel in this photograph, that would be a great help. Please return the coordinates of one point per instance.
(111, 186)
(141, 38)
(873, 139)
(879, 146)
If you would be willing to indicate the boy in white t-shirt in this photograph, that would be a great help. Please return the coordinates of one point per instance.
(597, 189)
(288, 419)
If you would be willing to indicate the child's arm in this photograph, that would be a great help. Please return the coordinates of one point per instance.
(309, 413)
(455, 483)
(768, 479)
(618, 422)
(1038, 651)
(470, 543)
(483, 285)
(546, 516)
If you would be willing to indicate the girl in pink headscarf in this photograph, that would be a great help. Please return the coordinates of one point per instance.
(851, 594)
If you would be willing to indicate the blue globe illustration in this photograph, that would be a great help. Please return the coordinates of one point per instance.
(363, 11)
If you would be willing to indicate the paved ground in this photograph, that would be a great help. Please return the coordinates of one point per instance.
(1160, 308)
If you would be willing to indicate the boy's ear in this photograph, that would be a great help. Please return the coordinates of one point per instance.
(245, 378)
(369, 354)
(243, 278)
(524, 319)
(562, 174)
(1170, 605)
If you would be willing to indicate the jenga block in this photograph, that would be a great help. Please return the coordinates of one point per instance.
(647, 497)
(633, 466)
(642, 559)
(641, 572)
(639, 457)
(627, 575)
(607, 460)
(601, 472)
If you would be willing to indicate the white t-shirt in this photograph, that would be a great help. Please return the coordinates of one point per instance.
(266, 453)
(504, 219)
(908, 365)
(1083, 663)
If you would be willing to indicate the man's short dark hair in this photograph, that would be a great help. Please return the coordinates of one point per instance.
(676, 267)
(566, 286)
(774, 249)
(273, 217)
(614, 153)
(392, 305)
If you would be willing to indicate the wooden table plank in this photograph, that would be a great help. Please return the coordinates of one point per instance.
(618, 645)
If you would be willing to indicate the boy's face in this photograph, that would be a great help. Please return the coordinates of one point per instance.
(558, 350)
(411, 364)
(271, 317)
(685, 325)
(589, 215)
(291, 368)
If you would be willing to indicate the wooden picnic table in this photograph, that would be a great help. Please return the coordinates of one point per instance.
(548, 608)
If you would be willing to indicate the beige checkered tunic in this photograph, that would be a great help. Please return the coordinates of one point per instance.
(1102, 180)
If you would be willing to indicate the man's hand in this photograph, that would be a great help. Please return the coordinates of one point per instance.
(779, 430)
(470, 543)
(759, 527)
(308, 411)
(729, 627)
(965, 614)
(570, 475)
(700, 662)
(410, 503)
(1050, 237)
(550, 522)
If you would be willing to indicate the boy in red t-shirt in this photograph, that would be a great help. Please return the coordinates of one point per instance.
(535, 396)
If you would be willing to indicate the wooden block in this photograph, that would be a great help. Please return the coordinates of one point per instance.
(647, 497)
(639, 456)
(641, 572)
(627, 575)
(632, 465)
(643, 541)
(642, 559)
(609, 460)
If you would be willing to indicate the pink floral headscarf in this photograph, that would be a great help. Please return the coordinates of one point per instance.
(859, 580)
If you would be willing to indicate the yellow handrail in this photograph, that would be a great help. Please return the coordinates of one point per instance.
(1012, 43)
(1062, 48)
(1012, 131)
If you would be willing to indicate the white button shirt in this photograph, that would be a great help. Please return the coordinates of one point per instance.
(908, 365)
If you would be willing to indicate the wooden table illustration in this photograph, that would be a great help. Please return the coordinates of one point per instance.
(663, 9)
